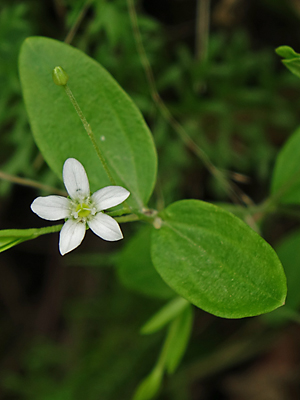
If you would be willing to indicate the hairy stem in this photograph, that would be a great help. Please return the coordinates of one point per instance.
(89, 131)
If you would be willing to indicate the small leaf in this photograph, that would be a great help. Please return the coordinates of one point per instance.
(135, 268)
(215, 261)
(119, 128)
(12, 237)
(293, 65)
(286, 177)
(292, 59)
(149, 387)
(171, 352)
(179, 334)
(165, 315)
(287, 52)
(9, 241)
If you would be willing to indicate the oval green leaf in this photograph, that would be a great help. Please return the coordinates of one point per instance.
(214, 260)
(286, 177)
(118, 126)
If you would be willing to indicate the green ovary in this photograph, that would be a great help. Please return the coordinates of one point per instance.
(83, 210)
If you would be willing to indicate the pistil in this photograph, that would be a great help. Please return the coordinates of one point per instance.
(83, 210)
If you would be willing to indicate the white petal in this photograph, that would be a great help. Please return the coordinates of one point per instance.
(109, 196)
(75, 179)
(51, 208)
(106, 227)
(71, 235)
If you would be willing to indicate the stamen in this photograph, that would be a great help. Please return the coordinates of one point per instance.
(83, 210)
(75, 214)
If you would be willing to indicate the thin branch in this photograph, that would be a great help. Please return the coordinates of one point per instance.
(178, 128)
(202, 29)
(72, 32)
(30, 183)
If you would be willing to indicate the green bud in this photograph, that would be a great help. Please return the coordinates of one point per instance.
(59, 76)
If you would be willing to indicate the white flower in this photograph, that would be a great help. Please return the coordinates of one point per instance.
(81, 208)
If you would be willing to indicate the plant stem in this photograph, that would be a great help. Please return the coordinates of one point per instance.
(118, 213)
(49, 229)
(221, 176)
(30, 233)
(76, 24)
(127, 218)
(30, 183)
(89, 131)
(146, 216)
(202, 29)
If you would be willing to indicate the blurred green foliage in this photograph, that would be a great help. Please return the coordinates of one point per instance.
(18, 153)
(99, 352)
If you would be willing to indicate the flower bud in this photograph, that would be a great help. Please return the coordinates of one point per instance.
(157, 223)
(59, 76)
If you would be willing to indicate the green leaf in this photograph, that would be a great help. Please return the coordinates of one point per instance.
(136, 271)
(12, 237)
(172, 350)
(118, 126)
(178, 339)
(149, 387)
(215, 261)
(287, 52)
(292, 59)
(165, 315)
(9, 241)
(286, 177)
(293, 65)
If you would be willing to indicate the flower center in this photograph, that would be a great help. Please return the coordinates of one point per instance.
(83, 210)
